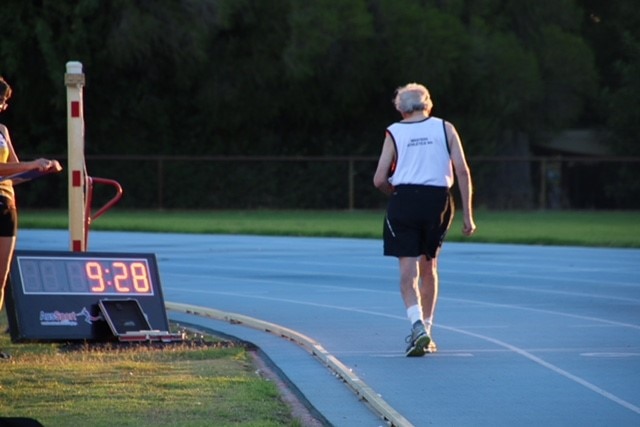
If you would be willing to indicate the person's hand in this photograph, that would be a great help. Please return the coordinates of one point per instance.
(46, 165)
(41, 164)
(468, 227)
(54, 166)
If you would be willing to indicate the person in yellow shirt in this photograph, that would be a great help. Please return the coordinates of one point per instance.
(10, 165)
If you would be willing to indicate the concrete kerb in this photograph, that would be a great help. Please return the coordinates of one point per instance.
(361, 389)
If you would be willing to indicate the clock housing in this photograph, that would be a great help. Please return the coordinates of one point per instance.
(55, 295)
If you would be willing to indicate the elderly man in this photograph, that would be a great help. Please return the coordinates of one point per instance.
(416, 169)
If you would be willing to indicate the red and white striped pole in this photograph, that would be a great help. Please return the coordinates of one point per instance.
(74, 80)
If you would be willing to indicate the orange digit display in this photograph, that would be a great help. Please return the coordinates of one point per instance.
(140, 277)
(120, 276)
(96, 277)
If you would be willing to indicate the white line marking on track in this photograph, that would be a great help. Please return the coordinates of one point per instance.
(441, 298)
(611, 355)
(545, 291)
(539, 310)
(546, 278)
(403, 356)
(553, 368)
(497, 342)
(594, 388)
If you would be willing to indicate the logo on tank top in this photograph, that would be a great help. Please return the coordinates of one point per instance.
(3, 142)
(417, 142)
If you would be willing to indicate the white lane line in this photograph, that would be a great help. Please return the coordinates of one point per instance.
(544, 291)
(512, 348)
(394, 280)
(394, 292)
(611, 355)
(446, 266)
(539, 310)
(401, 355)
(634, 282)
(551, 367)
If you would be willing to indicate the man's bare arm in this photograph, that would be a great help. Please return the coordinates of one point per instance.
(463, 176)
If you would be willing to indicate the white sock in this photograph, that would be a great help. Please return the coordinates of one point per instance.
(414, 313)
(428, 322)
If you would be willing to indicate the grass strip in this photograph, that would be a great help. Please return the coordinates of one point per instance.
(576, 228)
(137, 385)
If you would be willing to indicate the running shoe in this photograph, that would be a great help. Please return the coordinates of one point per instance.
(418, 341)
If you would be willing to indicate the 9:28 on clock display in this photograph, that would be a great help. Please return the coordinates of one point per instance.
(85, 276)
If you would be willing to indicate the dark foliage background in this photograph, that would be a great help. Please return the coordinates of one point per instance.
(316, 78)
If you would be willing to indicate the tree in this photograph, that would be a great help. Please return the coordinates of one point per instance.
(613, 30)
(290, 77)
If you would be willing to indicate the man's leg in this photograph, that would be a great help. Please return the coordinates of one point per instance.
(409, 288)
(429, 297)
(409, 282)
(428, 270)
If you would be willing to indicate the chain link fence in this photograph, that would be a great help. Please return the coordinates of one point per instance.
(339, 183)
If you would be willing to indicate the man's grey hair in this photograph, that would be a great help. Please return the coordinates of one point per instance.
(413, 97)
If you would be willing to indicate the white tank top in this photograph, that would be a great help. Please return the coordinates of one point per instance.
(422, 153)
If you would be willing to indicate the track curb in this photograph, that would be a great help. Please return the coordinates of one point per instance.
(360, 388)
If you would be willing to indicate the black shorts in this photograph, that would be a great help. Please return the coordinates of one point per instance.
(8, 217)
(418, 218)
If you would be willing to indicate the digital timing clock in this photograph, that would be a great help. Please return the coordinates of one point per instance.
(56, 295)
(43, 275)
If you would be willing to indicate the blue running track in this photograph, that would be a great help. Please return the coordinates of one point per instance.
(527, 335)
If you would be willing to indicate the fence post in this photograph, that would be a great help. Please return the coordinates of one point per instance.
(351, 173)
(160, 182)
(542, 195)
